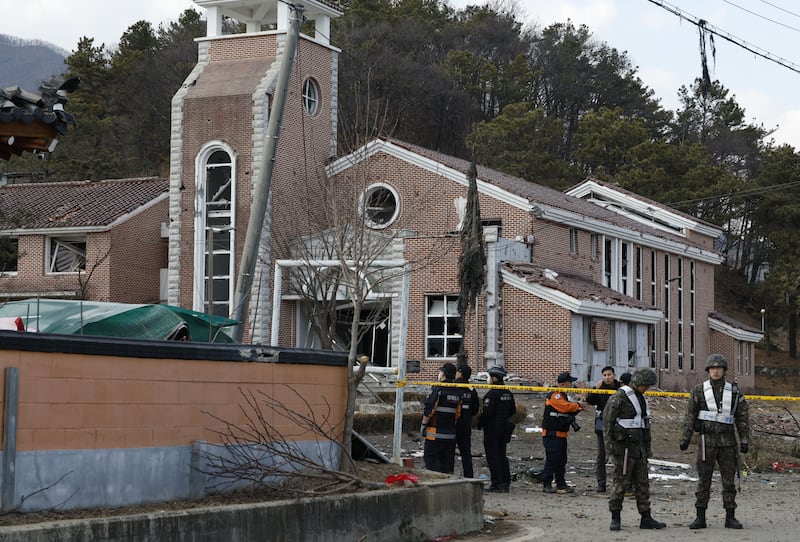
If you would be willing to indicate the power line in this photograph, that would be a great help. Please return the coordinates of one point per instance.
(761, 16)
(742, 193)
(704, 25)
(780, 8)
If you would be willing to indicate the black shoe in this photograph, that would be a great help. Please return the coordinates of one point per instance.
(505, 488)
(700, 521)
(564, 490)
(730, 521)
(601, 486)
(616, 522)
(549, 489)
(649, 523)
(494, 489)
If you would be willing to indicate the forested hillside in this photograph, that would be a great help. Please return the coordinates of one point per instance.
(552, 105)
(27, 63)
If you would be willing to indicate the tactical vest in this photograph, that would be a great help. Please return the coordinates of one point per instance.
(553, 420)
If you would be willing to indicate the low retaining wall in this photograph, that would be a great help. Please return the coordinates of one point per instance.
(400, 514)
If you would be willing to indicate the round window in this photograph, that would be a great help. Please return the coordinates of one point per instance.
(379, 205)
(311, 96)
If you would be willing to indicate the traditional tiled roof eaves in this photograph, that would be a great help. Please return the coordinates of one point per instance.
(88, 205)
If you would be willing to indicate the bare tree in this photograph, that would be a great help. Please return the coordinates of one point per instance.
(347, 238)
(261, 452)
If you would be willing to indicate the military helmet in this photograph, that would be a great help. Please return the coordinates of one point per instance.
(497, 370)
(643, 377)
(716, 360)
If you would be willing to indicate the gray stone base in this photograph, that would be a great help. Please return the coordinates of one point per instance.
(395, 514)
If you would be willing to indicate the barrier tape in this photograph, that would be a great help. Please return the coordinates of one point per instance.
(546, 389)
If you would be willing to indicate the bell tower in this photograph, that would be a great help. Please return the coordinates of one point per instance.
(219, 124)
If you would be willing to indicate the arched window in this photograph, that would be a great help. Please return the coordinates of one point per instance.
(311, 96)
(214, 232)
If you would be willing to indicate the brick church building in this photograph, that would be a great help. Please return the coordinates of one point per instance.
(574, 281)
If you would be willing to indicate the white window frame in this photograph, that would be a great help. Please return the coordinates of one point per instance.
(573, 241)
(365, 212)
(448, 314)
(65, 241)
(311, 96)
(223, 230)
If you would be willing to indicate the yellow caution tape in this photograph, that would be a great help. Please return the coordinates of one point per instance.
(546, 389)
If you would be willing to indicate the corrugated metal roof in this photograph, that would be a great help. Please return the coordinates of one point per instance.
(75, 204)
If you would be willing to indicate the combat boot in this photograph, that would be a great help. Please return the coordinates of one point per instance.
(700, 521)
(730, 520)
(616, 522)
(648, 522)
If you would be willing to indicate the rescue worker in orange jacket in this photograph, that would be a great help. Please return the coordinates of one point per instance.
(558, 417)
(442, 408)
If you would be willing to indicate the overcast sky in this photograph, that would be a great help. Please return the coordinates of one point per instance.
(663, 46)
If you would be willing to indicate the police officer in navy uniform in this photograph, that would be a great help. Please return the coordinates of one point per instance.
(718, 411)
(441, 410)
(626, 427)
(470, 405)
(498, 407)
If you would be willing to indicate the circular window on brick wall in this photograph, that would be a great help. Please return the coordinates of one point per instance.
(379, 205)
(311, 96)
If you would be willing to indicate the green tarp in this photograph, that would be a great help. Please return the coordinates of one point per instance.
(97, 318)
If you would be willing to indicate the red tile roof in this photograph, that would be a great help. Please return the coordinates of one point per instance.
(75, 204)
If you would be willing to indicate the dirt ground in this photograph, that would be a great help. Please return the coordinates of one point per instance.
(768, 499)
(769, 488)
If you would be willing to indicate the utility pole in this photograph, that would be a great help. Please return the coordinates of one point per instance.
(258, 208)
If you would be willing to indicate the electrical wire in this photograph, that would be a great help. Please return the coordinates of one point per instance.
(761, 16)
(742, 193)
(700, 23)
(780, 8)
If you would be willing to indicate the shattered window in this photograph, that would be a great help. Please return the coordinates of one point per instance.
(66, 255)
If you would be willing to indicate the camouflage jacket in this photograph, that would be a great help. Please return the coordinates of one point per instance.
(716, 433)
(617, 438)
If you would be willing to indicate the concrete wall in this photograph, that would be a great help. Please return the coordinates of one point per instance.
(403, 514)
(112, 422)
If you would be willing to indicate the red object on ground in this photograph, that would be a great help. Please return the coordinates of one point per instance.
(402, 479)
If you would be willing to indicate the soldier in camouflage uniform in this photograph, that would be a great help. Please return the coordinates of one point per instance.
(626, 428)
(717, 410)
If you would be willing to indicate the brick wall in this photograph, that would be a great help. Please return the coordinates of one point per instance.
(122, 265)
(78, 401)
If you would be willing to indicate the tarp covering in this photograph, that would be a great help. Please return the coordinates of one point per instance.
(132, 321)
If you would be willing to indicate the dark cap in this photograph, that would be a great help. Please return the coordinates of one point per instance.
(565, 377)
(449, 370)
(625, 378)
(465, 370)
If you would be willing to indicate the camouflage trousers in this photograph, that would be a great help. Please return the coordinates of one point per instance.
(636, 475)
(727, 458)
